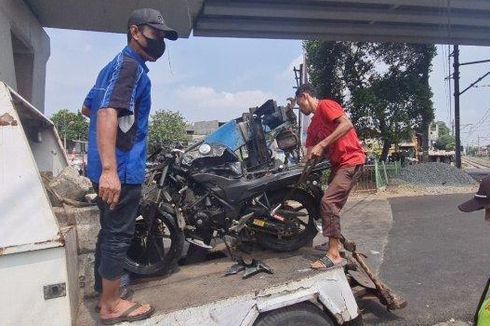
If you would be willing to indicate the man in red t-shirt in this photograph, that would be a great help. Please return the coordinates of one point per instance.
(332, 135)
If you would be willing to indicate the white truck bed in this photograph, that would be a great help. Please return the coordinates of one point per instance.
(200, 295)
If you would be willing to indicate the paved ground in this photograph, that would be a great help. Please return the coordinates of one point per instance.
(363, 221)
(435, 256)
(478, 174)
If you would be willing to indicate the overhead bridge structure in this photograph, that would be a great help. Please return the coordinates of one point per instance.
(421, 21)
(417, 21)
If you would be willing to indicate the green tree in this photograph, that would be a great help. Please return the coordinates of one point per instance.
(326, 62)
(384, 86)
(70, 125)
(445, 142)
(443, 128)
(166, 129)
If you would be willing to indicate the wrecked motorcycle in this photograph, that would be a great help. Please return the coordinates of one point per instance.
(235, 183)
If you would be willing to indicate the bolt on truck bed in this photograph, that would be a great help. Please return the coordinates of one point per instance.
(201, 295)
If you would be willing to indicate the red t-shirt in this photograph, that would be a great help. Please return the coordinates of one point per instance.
(347, 150)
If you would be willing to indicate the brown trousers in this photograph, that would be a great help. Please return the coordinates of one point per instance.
(340, 184)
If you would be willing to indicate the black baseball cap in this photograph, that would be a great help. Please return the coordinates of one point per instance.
(153, 18)
(480, 200)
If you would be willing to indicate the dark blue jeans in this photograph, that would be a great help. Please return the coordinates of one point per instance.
(115, 235)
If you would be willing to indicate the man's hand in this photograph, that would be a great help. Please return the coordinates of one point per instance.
(109, 187)
(316, 151)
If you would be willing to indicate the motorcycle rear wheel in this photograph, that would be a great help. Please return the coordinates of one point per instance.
(299, 201)
(156, 252)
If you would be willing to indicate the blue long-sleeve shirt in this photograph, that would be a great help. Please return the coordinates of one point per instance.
(123, 84)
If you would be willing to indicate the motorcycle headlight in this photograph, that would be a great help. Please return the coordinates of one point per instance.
(204, 149)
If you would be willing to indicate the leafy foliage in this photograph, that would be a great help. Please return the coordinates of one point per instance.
(445, 142)
(166, 129)
(443, 129)
(71, 125)
(326, 64)
(384, 86)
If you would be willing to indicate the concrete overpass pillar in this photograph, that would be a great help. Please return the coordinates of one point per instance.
(25, 51)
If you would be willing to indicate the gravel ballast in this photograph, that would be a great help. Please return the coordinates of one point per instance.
(435, 174)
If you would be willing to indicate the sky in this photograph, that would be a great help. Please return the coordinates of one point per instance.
(219, 78)
(203, 78)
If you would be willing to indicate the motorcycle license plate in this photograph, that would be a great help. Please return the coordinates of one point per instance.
(259, 222)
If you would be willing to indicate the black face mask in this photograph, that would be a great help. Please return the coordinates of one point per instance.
(155, 48)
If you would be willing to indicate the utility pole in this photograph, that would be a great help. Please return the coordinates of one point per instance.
(456, 105)
(458, 93)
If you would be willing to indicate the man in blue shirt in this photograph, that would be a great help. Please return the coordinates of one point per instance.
(118, 106)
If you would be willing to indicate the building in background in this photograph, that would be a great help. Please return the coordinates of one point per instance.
(200, 129)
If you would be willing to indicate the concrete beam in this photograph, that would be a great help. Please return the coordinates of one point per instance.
(385, 19)
(111, 15)
(340, 37)
(315, 11)
(454, 4)
(421, 21)
(314, 27)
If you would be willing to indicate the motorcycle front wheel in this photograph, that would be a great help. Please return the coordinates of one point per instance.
(156, 251)
(306, 209)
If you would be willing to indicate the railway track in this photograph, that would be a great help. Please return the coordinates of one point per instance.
(475, 163)
(476, 168)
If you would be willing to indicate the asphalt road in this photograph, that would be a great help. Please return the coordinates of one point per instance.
(437, 258)
(478, 174)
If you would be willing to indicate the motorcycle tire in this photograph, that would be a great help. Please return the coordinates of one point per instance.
(151, 255)
(303, 313)
(270, 241)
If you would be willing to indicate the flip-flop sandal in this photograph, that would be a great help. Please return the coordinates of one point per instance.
(328, 263)
(125, 315)
(125, 294)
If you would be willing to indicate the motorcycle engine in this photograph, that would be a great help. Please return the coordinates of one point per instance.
(201, 219)
(208, 218)
(203, 213)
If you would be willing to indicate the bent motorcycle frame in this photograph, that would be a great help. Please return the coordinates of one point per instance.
(239, 189)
